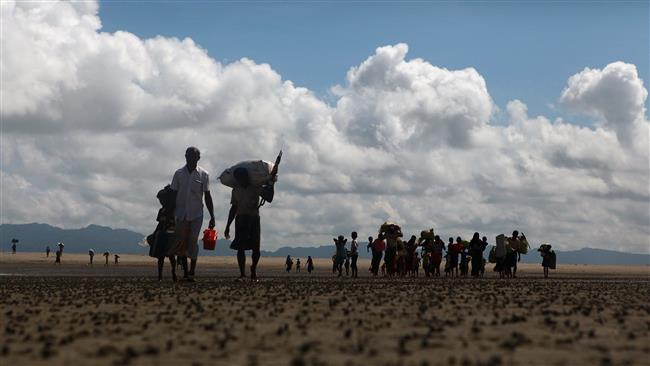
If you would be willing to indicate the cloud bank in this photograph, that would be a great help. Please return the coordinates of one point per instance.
(94, 123)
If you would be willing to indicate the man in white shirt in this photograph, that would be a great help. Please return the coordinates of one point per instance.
(190, 183)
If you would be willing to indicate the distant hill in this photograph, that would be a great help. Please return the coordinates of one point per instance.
(34, 238)
(592, 256)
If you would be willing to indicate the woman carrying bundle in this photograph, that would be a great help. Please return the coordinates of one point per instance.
(548, 258)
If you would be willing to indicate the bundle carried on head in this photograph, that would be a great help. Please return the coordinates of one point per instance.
(390, 229)
(427, 234)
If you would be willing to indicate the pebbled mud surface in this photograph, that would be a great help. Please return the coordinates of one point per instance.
(324, 321)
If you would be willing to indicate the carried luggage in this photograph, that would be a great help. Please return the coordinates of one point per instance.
(387, 226)
(209, 239)
(259, 173)
(552, 260)
(492, 257)
(390, 229)
(427, 234)
(523, 245)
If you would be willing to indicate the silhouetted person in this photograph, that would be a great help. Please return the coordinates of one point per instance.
(378, 246)
(512, 255)
(436, 255)
(346, 263)
(341, 253)
(245, 211)
(106, 255)
(47, 251)
(297, 265)
(117, 257)
(58, 256)
(163, 242)
(483, 261)
(13, 248)
(476, 248)
(310, 264)
(462, 251)
(354, 254)
(91, 254)
(455, 249)
(500, 252)
(288, 264)
(547, 257)
(410, 248)
(191, 183)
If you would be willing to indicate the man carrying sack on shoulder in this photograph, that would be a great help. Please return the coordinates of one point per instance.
(245, 211)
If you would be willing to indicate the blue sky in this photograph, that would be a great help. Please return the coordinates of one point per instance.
(524, 50)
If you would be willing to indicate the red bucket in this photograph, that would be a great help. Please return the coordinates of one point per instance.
(209, 239)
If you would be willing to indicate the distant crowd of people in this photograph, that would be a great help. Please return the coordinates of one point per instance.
(393, 257)
(461, 258)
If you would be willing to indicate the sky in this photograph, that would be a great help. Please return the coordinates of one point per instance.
(464, 117)
(524, 50)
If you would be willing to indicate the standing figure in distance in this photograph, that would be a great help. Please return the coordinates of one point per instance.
(288, 264)
(341, 253)
(354, 254)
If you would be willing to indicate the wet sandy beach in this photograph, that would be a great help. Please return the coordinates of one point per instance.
(115, 315)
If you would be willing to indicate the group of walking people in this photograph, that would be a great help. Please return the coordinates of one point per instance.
(289, 264)
(462, 258)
